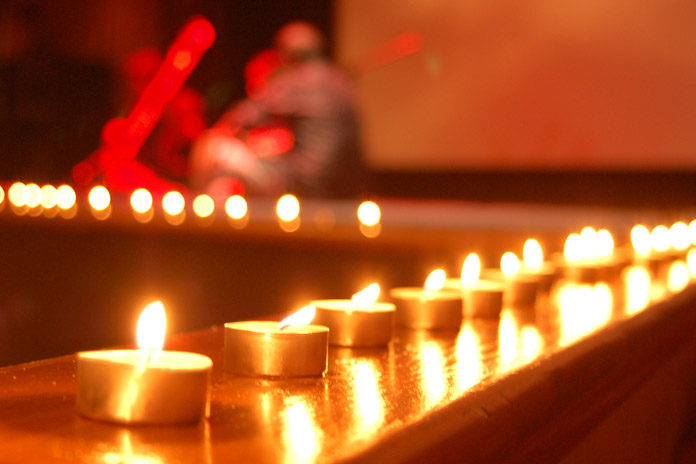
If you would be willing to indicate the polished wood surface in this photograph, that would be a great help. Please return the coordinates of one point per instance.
(525, 388)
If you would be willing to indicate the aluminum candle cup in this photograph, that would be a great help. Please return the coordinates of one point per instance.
(520, 289)
(259, 348)
(123, 386)
(372, 325)
(483, 299)
(546, 275)
(427, 309)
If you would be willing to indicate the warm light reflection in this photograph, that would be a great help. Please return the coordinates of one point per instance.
(66, 197)
(531, 342)
(173, 203)
(508, 339)
(99, 198)
(369, 405)
(236, 207)
(300, 317)
(435, 280)
(2, 195)
(640, 239)
(679, 236)
(366, 296)
(659, 238)
(691, 262)
(532, 254)
(471, 270)
(288, 208)
(17, 194)
(369, 213)
(128, 454)
(141, 201)
(469, 364)
(203, 206)
(572, 250)
(300, 433)
(152, 325)
(433, 377)
(583, 309)
(49, 196)
(678, 276)
(33, 195)
(637, 289)
(509, 263)
(604, 243)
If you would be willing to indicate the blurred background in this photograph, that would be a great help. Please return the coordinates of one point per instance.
(544, 101)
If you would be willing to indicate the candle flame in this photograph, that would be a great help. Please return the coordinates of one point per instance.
(471, 270)
(366, 296)
(301, 317)
(572, 250)
(509, 263)
(532, 254)
(152, 325)
(605, 243)
(589, 243)
(640, 239)
(679, 236)
(659, 238)
(435, 280)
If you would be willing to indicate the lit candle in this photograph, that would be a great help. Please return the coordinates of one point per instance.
(520, 289)
(533, 264)
(429, 307)
(290, 348)
(144, 386)
(482, 298)
(360, 321)
(590, 256)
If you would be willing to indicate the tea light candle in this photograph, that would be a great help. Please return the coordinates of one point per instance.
(533, 264)
(290, 348)
(145, 386)
(482, 298)
(520, 289)
(360, 321)
(430, 307)
(590, 257)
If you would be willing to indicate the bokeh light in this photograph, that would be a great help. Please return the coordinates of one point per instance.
(173, 203)
(369, 213)
(659, 238)
(288, 208)
(203, 206)
(99, 198)
(640, 239)
(236, 207)
(49, 196)
(33, 195)
(141, 200)
(17, 194)
(66, 197)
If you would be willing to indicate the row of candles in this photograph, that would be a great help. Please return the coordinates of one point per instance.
(34, 200)
(135, 386)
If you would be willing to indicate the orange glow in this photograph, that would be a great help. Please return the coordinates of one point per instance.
(637, 289)
(173, 203)
(572, 249)
(236, 207)
(691, 262)
(509, 263)
(532, 254)
(659, 238)
(679, 236)
(33, 195)
(678, 277)
(288, 208)
(203, 206)
(300, 317)
(508, 339)
(640, 239)
(2, 195)
(433, 377)
(141, 200)
(99, 198)
(583, 309)
(152, 325)
(182, 59)
(66, 197)
(531, 342)
(369, 405)
(300, 433)
(17, 194)
(469, 365)
(435, 280)
(604, 243)
(366, 296)
(49, 196)
(588, 243)
(369, 213)
(471, 270)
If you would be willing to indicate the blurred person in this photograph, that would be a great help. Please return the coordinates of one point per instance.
(306, 94)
